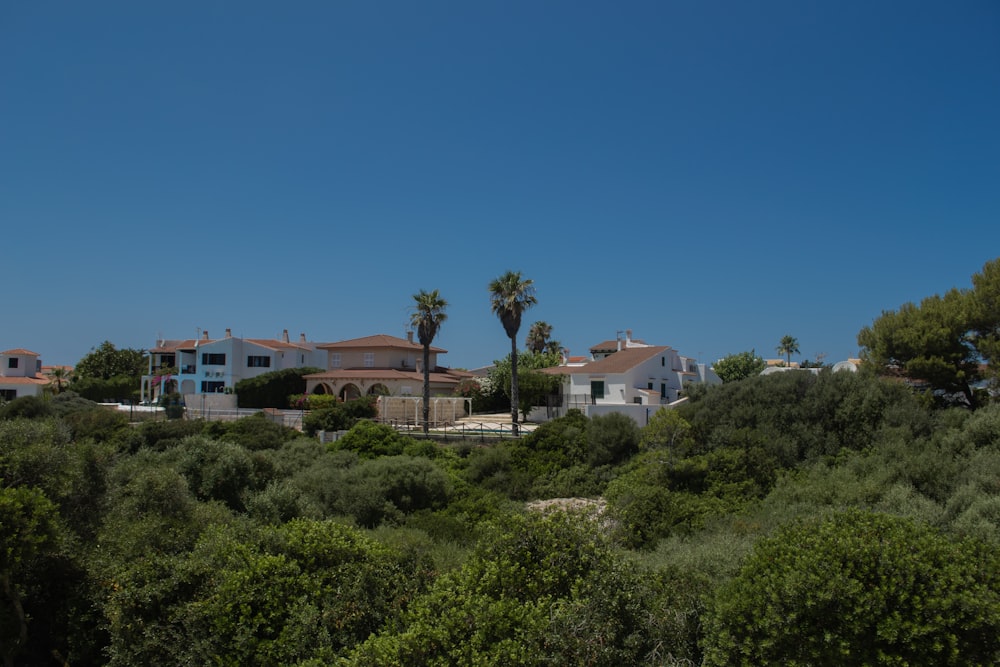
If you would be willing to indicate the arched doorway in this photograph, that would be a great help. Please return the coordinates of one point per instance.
(378, 390)
(321, 389)
(350, 392)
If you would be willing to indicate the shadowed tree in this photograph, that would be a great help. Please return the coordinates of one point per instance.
(538, 336)
(428, 315)
(58, 377)
(510, 296)
(788, 346)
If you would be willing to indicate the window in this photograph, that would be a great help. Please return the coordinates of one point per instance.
(8, 394)
(369, 360)
(212, 387)
(597, 389)
(208, 359)
(649, 385)
(663, 361)
(258, 361)
(335, 360)
(663, 390)
(12, 362)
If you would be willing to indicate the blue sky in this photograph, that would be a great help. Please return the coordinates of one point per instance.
(711, 175)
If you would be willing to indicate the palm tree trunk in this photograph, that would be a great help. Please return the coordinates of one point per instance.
(513, 385)
(427, 387)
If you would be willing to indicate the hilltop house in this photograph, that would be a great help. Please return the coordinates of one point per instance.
(214, 366)
(627, 376)
(21, 374)
(381, 365)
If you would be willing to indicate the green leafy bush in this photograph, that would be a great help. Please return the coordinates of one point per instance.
(271, 390)
(369, 440)
(859, 588)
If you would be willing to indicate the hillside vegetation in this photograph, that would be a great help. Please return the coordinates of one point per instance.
(786, 519)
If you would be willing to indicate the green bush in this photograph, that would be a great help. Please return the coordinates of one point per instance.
(25, 407)
(859, 588)
(271, 390)
(611, 438)
(370, 440)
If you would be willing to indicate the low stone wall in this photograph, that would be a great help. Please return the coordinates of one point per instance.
(444, 410)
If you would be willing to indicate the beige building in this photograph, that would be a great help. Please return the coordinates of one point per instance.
(381, 365)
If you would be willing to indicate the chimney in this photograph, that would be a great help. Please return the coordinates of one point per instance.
(409, 335)
(302, 338)
(618, 338)
(628, 337)
(284, 336)
(204, 334)
(229, 333)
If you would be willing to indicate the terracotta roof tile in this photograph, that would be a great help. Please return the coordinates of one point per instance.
(377, 341)
(441, 375)
(612, 345)
(23, 380)
(21, 351)
(619, 362)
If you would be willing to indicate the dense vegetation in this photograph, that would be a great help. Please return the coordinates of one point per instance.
(785, 519)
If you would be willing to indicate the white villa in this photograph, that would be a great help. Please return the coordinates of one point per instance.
(214, 366)
(627, 376)
(21, 374)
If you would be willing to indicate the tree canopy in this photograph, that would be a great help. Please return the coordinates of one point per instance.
(942, 342)
(740, 366)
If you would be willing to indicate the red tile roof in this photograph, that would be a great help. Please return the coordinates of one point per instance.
(21, 351)
(619, 362)
(612, 345)
(376, 341)
(23, 380)
(442, 375)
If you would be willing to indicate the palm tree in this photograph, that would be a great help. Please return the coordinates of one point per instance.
(538, 336)
(428, 315)
(788, 346)
(510, 296)
(59, 375)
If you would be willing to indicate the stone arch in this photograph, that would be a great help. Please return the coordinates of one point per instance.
(350, 392)
(378, 389)
(321, 389)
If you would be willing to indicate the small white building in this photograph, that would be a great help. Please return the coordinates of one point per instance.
(627, 376)
(21, 374)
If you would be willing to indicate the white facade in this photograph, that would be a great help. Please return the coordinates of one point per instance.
(632, 378)
(214, 366)
(20, 374)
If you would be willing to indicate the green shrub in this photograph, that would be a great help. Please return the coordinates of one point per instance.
(25, 407)
(611, 438)
(859, 588)
(271, 390)
(370, 440)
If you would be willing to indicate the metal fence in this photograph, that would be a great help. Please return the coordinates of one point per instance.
(289, 418)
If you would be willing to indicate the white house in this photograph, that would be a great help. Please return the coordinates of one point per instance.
(628, 376)
(214, 366)
(20, 374)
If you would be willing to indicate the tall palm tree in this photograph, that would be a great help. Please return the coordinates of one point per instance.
(427, 317)
(510, 296)
(538, 336)
(788, 346)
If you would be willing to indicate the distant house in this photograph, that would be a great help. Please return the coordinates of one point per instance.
(214, 366)
(21, 374)
(381, 365)
(627, 376)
